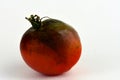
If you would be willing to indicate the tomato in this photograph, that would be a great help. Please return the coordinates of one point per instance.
(51, 46)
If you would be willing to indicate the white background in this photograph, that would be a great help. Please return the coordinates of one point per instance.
(96, 21)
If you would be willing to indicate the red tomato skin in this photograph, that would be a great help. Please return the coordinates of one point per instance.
(50, 52)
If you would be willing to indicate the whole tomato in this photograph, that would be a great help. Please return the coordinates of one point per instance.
(51, 46)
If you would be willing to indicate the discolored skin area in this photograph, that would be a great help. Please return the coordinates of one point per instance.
(52, 49)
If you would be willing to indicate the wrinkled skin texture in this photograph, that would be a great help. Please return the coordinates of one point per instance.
(52, 49)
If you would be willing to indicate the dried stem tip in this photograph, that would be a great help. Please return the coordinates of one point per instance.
(35, 21)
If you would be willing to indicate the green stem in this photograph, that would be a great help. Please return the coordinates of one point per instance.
(35, 21)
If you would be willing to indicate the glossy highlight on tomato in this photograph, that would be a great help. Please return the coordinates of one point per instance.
(51, 46)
